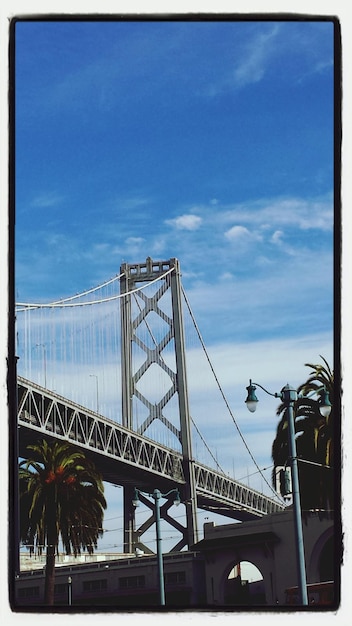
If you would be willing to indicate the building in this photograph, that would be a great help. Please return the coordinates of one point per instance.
(268, 545)
(130, 582)
(213, 574)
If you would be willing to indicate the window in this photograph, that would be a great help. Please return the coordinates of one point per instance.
(175, 578)
(28, 592)
(128, 582)
(60, 588)
(95, 585)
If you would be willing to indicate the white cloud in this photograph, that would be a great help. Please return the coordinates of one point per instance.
(237, 232)
(240, 233)
(226, 276)
(185, 222)
(277, 237)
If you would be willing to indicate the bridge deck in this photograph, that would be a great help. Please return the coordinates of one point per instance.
(126, 458)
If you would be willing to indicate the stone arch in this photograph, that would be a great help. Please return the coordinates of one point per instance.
(242, 582)
(321, 565)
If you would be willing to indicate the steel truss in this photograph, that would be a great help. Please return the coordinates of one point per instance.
(229, 491)
(125, 457)
(48, 413)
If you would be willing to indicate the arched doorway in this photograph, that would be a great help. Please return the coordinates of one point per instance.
(326, 561)
(244, 585)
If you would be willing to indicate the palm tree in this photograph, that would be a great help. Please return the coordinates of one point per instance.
(314, 440)
(61, 496)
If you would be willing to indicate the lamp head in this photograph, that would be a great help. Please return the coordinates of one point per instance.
(135, 500)
(324, 402)
(251, 400)
(177, 499)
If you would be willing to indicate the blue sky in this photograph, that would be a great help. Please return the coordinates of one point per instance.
(208, 141)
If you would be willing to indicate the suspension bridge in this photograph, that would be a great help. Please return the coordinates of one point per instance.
(106, 370)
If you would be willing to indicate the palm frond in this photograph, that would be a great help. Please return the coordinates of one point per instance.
(314, 438)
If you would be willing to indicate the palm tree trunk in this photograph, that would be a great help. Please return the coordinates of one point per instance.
(49, 575)
(51, 526)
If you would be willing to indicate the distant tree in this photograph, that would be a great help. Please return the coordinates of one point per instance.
(314, 440)
(61, 496)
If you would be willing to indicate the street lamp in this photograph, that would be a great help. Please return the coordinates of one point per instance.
(288, 396)
(157, 495)
(97, 389)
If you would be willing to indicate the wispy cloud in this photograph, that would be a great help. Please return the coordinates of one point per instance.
(252, 64)
(130, 203)
(233, 239)
(46, 200)
(306, 214)
(277, 237)
(264, 298)
(133, 241)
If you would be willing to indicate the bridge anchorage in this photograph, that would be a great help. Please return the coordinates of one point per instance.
(128, 454)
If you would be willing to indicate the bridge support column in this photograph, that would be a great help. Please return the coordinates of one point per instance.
(185, 420)
(132, 318)
(129, 520)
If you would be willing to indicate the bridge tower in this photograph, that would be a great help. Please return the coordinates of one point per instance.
(138, 309)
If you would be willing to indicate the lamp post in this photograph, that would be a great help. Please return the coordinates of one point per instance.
(97, 389)
(157, 495)
(69, 582)
(288, 396)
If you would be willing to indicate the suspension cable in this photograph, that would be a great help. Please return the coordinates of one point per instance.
(85, 293)
(58, 304)
(223, 394)
(206, 445)
(64, 300)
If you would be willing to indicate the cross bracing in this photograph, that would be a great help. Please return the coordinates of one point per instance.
(126, 458)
